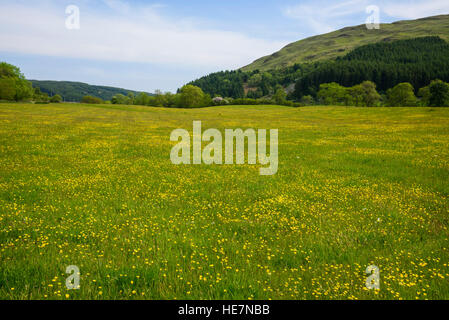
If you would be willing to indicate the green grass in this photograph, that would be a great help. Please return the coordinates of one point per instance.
(93, 186)
(341, 42)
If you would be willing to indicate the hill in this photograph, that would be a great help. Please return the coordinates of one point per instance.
(339, 43)
(417, 61)
(75, 91)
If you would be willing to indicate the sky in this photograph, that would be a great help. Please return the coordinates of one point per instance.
(164, 44)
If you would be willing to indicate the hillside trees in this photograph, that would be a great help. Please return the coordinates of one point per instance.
(75, 91)
(386, 64)
(280, 97)
(224, 84)
(417, 61)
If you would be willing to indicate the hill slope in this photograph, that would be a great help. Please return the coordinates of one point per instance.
(75, 91)
(417, 61)
(341, 42)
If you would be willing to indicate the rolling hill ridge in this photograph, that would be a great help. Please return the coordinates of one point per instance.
(75, 91)
(339, 43)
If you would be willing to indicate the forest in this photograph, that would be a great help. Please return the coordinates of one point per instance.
(416, 61)
(387, 64)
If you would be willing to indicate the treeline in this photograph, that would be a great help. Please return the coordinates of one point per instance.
(14, 87)
(225, 83)
(365, 95)
(253, 85)
(190, 96)
(416, 61)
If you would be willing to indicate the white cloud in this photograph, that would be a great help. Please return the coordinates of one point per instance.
(324, 16)
(117, 5)
(129, 34)
(416, 9)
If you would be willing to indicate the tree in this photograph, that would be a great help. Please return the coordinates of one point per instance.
(255, 80)
(159, 99)
(7, 89)
(56, 99)
(9, 71)
(121, 99)
(142, 99)
(13, 85)
(370, 96)
(191, 96)
(439, 94)
(280, 96)
(24, 89)
(307, 101)
(424, 94)
(357, 93)
(333, 94)
(402, 95)
(91, 100)
(364, 95)
(130, 98)
(171, 100)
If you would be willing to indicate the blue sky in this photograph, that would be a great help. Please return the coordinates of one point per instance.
(146, 45)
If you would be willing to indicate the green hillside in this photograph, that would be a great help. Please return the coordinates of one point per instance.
(339, 43)
(75, 91)
(417, 61)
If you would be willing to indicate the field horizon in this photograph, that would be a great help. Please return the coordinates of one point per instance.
(93, 186)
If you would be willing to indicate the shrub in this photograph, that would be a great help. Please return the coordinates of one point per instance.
(307, 101)
(91, 100)
(56, 99)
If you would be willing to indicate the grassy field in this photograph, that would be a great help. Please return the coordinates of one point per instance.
(94, 186)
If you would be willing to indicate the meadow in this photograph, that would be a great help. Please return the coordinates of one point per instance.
(93, 186)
